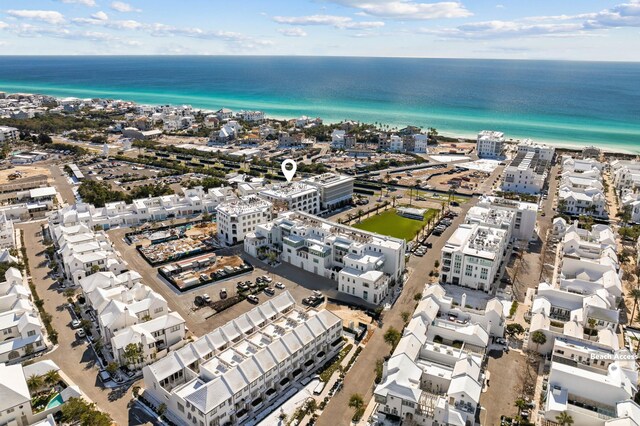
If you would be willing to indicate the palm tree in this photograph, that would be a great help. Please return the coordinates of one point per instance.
(51, 377)
(521, 404)
(34, 383)
(539, 338)
(635, 294)
(393, 200)
(564, 419)
(356, 401)
(360, 212)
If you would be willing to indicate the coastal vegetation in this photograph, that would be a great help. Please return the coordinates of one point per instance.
(100, 193)
(55, 123)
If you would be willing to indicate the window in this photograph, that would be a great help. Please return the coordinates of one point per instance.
(468, 270)
(158, 310)
(175, 328)
(484, 273)
(31, 333)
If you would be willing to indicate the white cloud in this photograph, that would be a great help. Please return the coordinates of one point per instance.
(619, 16)
(101, 16)
(123, 7)
(49, 16)
(292, 32)
(342, 22)
(407, 9)
(90, 3)
(3, 25)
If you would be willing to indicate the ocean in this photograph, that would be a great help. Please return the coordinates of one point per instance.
(564, 103)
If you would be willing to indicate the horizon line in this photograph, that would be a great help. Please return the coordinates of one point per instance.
(309, 56)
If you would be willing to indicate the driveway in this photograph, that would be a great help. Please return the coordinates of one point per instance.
(73, 356)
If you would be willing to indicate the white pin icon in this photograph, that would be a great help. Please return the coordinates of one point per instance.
(289, 169)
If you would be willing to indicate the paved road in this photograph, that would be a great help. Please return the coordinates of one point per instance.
(74, 357)
(361, 376)
(62, 184)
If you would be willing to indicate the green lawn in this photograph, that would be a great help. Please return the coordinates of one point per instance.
(392, 224)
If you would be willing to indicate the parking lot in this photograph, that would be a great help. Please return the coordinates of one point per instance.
(201, 320)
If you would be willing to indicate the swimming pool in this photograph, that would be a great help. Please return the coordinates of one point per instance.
(55, 401)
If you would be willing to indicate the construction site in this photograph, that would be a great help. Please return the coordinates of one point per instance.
(196, 271)
(169, 244)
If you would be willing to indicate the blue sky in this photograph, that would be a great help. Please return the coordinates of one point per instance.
(518, 29)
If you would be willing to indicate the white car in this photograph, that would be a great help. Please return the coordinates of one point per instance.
(280, 286)
(81, 334)
(75, 323)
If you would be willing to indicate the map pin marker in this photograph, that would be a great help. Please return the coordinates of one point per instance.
(289, 169)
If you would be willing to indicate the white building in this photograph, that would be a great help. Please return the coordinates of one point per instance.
(238, 218)
(335, 190)
(297, 196)
(251, 116)
(581, 188)
(363, 263)
(20, 325)
(193, 202)
(526, 215)
(395, 143)
(473, 256)
(421, 143)
(155, 338)
(238, 369)
(594, 385)
(490, 144)
(434, 376)
(581, 302)
(545, 152)
(526, 174)
(7, 233)
(9, 134)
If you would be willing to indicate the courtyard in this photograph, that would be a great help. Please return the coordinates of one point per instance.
(392, 224)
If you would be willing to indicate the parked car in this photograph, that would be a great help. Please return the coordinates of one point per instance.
(270, 291)
(223, 293)
(267, 279)
(280, 286)
(104, 376)
(242, 287)
(206, 298)
(253, 299)
(75, 323)
(81, 334)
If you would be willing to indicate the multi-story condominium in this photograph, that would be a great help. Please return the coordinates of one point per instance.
(421, 143)
(155, 338)
(251, 116)
(492, 218)
(238, 218)
(434, 376)
(337, 138)
(233, 372)
(593, 385)
(526, 174)
(293, 196)
(626, 175)
(490, 144)
(193, 202)
(335, 190)
(591, 152)
(395, 143)
(120, 307)
(581, 189)
(631, 202)
(545, 152)
(20, 326)
(8, 133)
(363, 263)
(581, 302)
(7, 233)
(525, 215)
(473, 255)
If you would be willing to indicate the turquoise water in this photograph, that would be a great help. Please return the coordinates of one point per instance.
(568, 103)
(55, 401)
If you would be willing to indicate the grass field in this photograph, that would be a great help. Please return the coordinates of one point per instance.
(392, 224)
